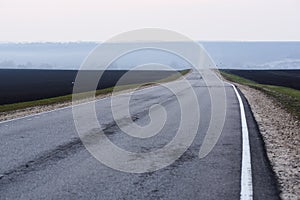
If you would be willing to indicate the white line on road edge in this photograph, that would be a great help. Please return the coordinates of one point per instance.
(246, 173)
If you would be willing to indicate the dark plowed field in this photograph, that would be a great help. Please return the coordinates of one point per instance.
(26, 85)
(286, 78)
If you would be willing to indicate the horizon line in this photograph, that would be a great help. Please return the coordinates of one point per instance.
(94, 41)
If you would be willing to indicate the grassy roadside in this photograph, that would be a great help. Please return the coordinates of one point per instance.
(289, 98)
(68, 98)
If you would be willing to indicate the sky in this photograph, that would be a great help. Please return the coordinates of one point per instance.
(99, 20)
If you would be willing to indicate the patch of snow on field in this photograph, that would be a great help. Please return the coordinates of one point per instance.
(280, 64)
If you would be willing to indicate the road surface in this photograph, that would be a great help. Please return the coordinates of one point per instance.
(42, 157)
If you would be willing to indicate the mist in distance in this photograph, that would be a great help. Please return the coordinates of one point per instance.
(226, 55)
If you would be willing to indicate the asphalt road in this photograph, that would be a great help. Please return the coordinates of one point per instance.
(42, 157)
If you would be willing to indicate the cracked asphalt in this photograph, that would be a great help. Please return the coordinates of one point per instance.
(42, 157)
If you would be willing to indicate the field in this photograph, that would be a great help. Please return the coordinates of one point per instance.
(288, 97)
(28, 85)
(286, 78)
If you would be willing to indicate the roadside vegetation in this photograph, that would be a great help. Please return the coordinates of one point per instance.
(85, 95)
(289, 98)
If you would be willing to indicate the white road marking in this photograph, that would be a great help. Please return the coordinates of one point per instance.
(33, 115)
(246, 173)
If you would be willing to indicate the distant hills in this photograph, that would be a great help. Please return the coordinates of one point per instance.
(232, 55)
(255, 55)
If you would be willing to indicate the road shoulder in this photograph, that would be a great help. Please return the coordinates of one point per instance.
(278, 139)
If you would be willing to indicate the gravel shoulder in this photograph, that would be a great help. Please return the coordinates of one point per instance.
(281, 134)
(280, 130)
(44, 108)
(30, 110)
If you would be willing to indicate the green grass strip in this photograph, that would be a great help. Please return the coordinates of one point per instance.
(289, 98)
(68, 98)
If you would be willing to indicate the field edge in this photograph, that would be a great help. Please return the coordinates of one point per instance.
(288, 98)
(86, 95)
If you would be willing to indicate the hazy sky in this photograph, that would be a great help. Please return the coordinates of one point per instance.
(98, 20)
